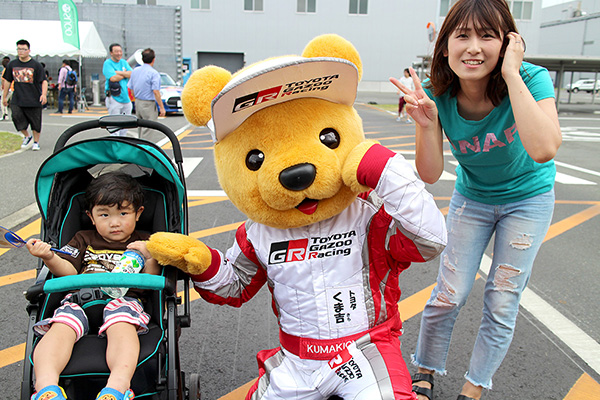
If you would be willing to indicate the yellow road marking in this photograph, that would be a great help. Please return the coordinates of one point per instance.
(199, 201)
(238, 393)
(168, 145)
(184, 146)
(26, 232)
(584, 389)
(572, 221)
(396, 137)
(18, 277)
(415, 303)
(393, 146)
(373, 107)
(197, 141)
(555, 229)
(12, 355)
(409, 307)
(199, 134)
(216, 230)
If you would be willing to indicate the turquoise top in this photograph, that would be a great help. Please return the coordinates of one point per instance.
(109, 70)
(494, 167)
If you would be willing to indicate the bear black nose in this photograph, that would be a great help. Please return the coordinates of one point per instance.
(298, 177)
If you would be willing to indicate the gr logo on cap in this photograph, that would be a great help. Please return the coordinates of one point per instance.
(277, 80)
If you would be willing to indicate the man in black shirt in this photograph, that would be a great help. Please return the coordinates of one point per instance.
(29, 96)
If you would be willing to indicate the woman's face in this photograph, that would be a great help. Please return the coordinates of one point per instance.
(471, 55)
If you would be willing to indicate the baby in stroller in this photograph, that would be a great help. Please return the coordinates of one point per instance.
(114, 204)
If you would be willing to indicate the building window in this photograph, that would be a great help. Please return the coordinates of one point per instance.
(522, 10)
(253, 5)
(358, 6)
(306, 6)
(200, 4)
(445, 6)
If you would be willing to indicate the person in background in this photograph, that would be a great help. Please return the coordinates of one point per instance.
(406, 80)
(64, 88)
(499, 115)
(29, 95)
(145, 84)
(48, 79)
(3, 108)
(117, 71)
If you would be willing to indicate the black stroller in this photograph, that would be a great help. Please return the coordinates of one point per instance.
(59, 187)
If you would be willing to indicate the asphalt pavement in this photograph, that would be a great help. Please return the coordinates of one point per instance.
(18, 170)
(543, 362)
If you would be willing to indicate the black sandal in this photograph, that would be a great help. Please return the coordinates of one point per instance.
(463, 397)
(427, 392)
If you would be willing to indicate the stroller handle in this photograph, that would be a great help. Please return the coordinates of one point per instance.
(120, 122)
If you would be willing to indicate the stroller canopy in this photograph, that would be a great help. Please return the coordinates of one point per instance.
(107, 150)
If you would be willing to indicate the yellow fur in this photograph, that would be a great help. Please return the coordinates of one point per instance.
(181, 251)
(287, 134)
(200, 89)
(332, 45)
(351, 166)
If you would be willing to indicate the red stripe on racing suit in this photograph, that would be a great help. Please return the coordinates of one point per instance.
(243, 290)
(337, 277)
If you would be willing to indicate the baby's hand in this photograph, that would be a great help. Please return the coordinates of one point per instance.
(151, 265)
(140, 246)
(39, 249)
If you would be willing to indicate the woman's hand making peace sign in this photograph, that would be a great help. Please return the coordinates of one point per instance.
(418, 105)
(429, 157)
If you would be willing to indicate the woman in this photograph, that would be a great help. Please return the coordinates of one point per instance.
(500, 118)
(406, 80)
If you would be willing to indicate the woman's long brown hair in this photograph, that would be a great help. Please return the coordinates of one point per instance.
(487, 15)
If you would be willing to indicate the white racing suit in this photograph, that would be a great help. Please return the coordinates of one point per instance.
(335, 287)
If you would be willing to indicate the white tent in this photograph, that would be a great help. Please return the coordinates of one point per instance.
(46, 39)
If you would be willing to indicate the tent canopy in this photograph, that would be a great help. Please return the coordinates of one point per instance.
(46, 39)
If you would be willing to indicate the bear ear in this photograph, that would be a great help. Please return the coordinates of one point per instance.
(332, 45)
(200, 90)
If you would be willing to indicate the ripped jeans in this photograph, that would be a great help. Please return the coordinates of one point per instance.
(520, 229)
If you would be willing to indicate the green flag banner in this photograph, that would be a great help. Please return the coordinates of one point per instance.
(69, 22)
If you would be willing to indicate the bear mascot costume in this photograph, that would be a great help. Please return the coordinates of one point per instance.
(333, 220)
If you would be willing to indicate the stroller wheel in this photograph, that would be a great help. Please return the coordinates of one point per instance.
(194, 387)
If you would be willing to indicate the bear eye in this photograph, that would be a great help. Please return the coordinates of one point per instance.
(330, 138)
(254, 160)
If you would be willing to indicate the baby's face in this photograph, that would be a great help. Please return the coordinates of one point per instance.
(115, 224)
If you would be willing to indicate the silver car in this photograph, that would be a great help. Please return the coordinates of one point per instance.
(585, 85)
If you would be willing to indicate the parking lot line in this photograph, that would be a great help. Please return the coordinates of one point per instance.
(570, 222)
(18, 277)
(12, 355)
(414, 304)
(584, 389)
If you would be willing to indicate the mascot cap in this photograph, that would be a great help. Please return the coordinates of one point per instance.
(278, 80)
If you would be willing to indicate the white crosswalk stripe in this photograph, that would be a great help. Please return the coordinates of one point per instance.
(191, 163)
(571, 180)
(581, 134)
(561, 177)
